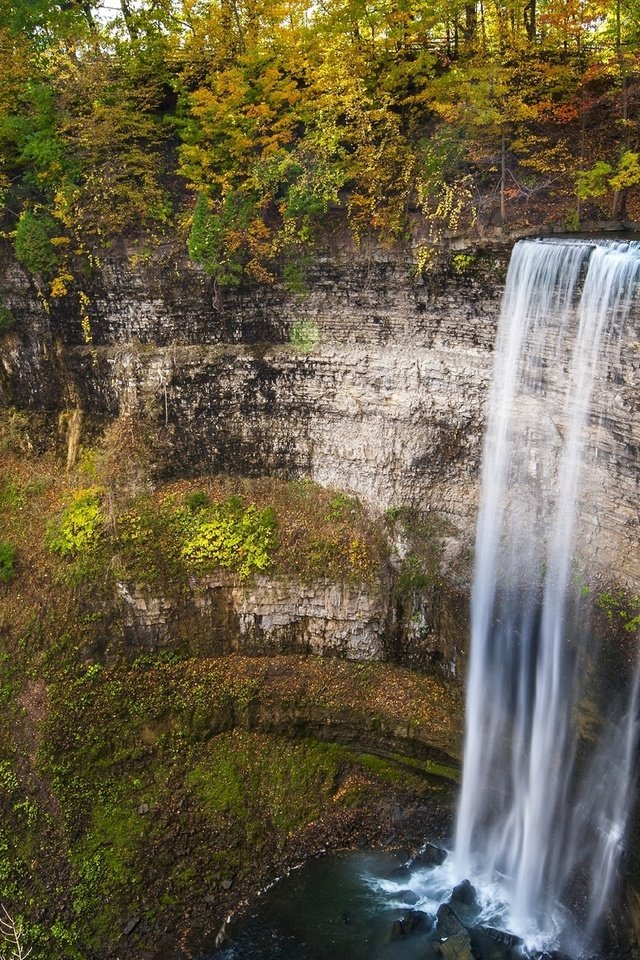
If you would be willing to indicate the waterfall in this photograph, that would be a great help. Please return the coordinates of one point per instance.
(532, 812)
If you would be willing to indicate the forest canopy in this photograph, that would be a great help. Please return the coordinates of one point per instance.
(243, 127)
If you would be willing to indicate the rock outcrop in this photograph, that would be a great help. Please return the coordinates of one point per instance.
(262, 615)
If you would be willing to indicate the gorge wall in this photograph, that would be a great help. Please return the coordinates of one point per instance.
(387, 402)
(373, 381)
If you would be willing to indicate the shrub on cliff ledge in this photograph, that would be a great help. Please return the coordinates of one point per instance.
(622, 608)
(215, 241)
(77, 530)
(33, 245)
(229, 535)
(304, 335)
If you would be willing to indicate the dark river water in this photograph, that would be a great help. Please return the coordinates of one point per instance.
(329, 909)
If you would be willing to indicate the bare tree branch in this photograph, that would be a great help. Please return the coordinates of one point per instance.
(11, 934)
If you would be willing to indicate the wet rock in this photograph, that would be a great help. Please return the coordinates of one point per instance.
(414, 921)
(223, 937)
(464, 894)
(486, 947)
(409, 896)
(464, 901)
(448, 923)
(429, 856)
(457, 947)
(503, 937)
(400, 874)
(431, 951)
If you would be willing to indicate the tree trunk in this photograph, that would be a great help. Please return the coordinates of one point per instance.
(503, 177)
(619, 203)
(470, 22)
(483, 25)
(530, 20)
(583, 138)
(622, 69)
(129, 19)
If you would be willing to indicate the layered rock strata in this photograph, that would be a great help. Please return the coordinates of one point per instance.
(374, 382)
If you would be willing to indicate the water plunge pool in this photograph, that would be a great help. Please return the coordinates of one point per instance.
(369, 905)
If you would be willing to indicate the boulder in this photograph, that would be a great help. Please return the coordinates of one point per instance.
(464, 901)
(431, 951)
(448, 923)
(503, 937)
(465, 894)
(485, 947)
(429, 856)
(409, 896)
(414, 921)
(457, 947)
(400, 874)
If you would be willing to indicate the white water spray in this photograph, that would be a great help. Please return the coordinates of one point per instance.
(530, 814)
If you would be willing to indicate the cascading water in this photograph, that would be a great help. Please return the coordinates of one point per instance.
(530, 814)
(538, 820)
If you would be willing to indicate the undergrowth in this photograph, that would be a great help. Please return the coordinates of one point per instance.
(141, 794)
(293, 528)
(144, 782)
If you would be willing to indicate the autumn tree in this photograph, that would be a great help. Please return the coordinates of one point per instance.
(245, 126)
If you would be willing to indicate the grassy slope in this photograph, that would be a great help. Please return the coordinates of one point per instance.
(128, 793)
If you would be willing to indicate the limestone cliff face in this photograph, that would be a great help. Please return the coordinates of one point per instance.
(385, 396)
(221, 614)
